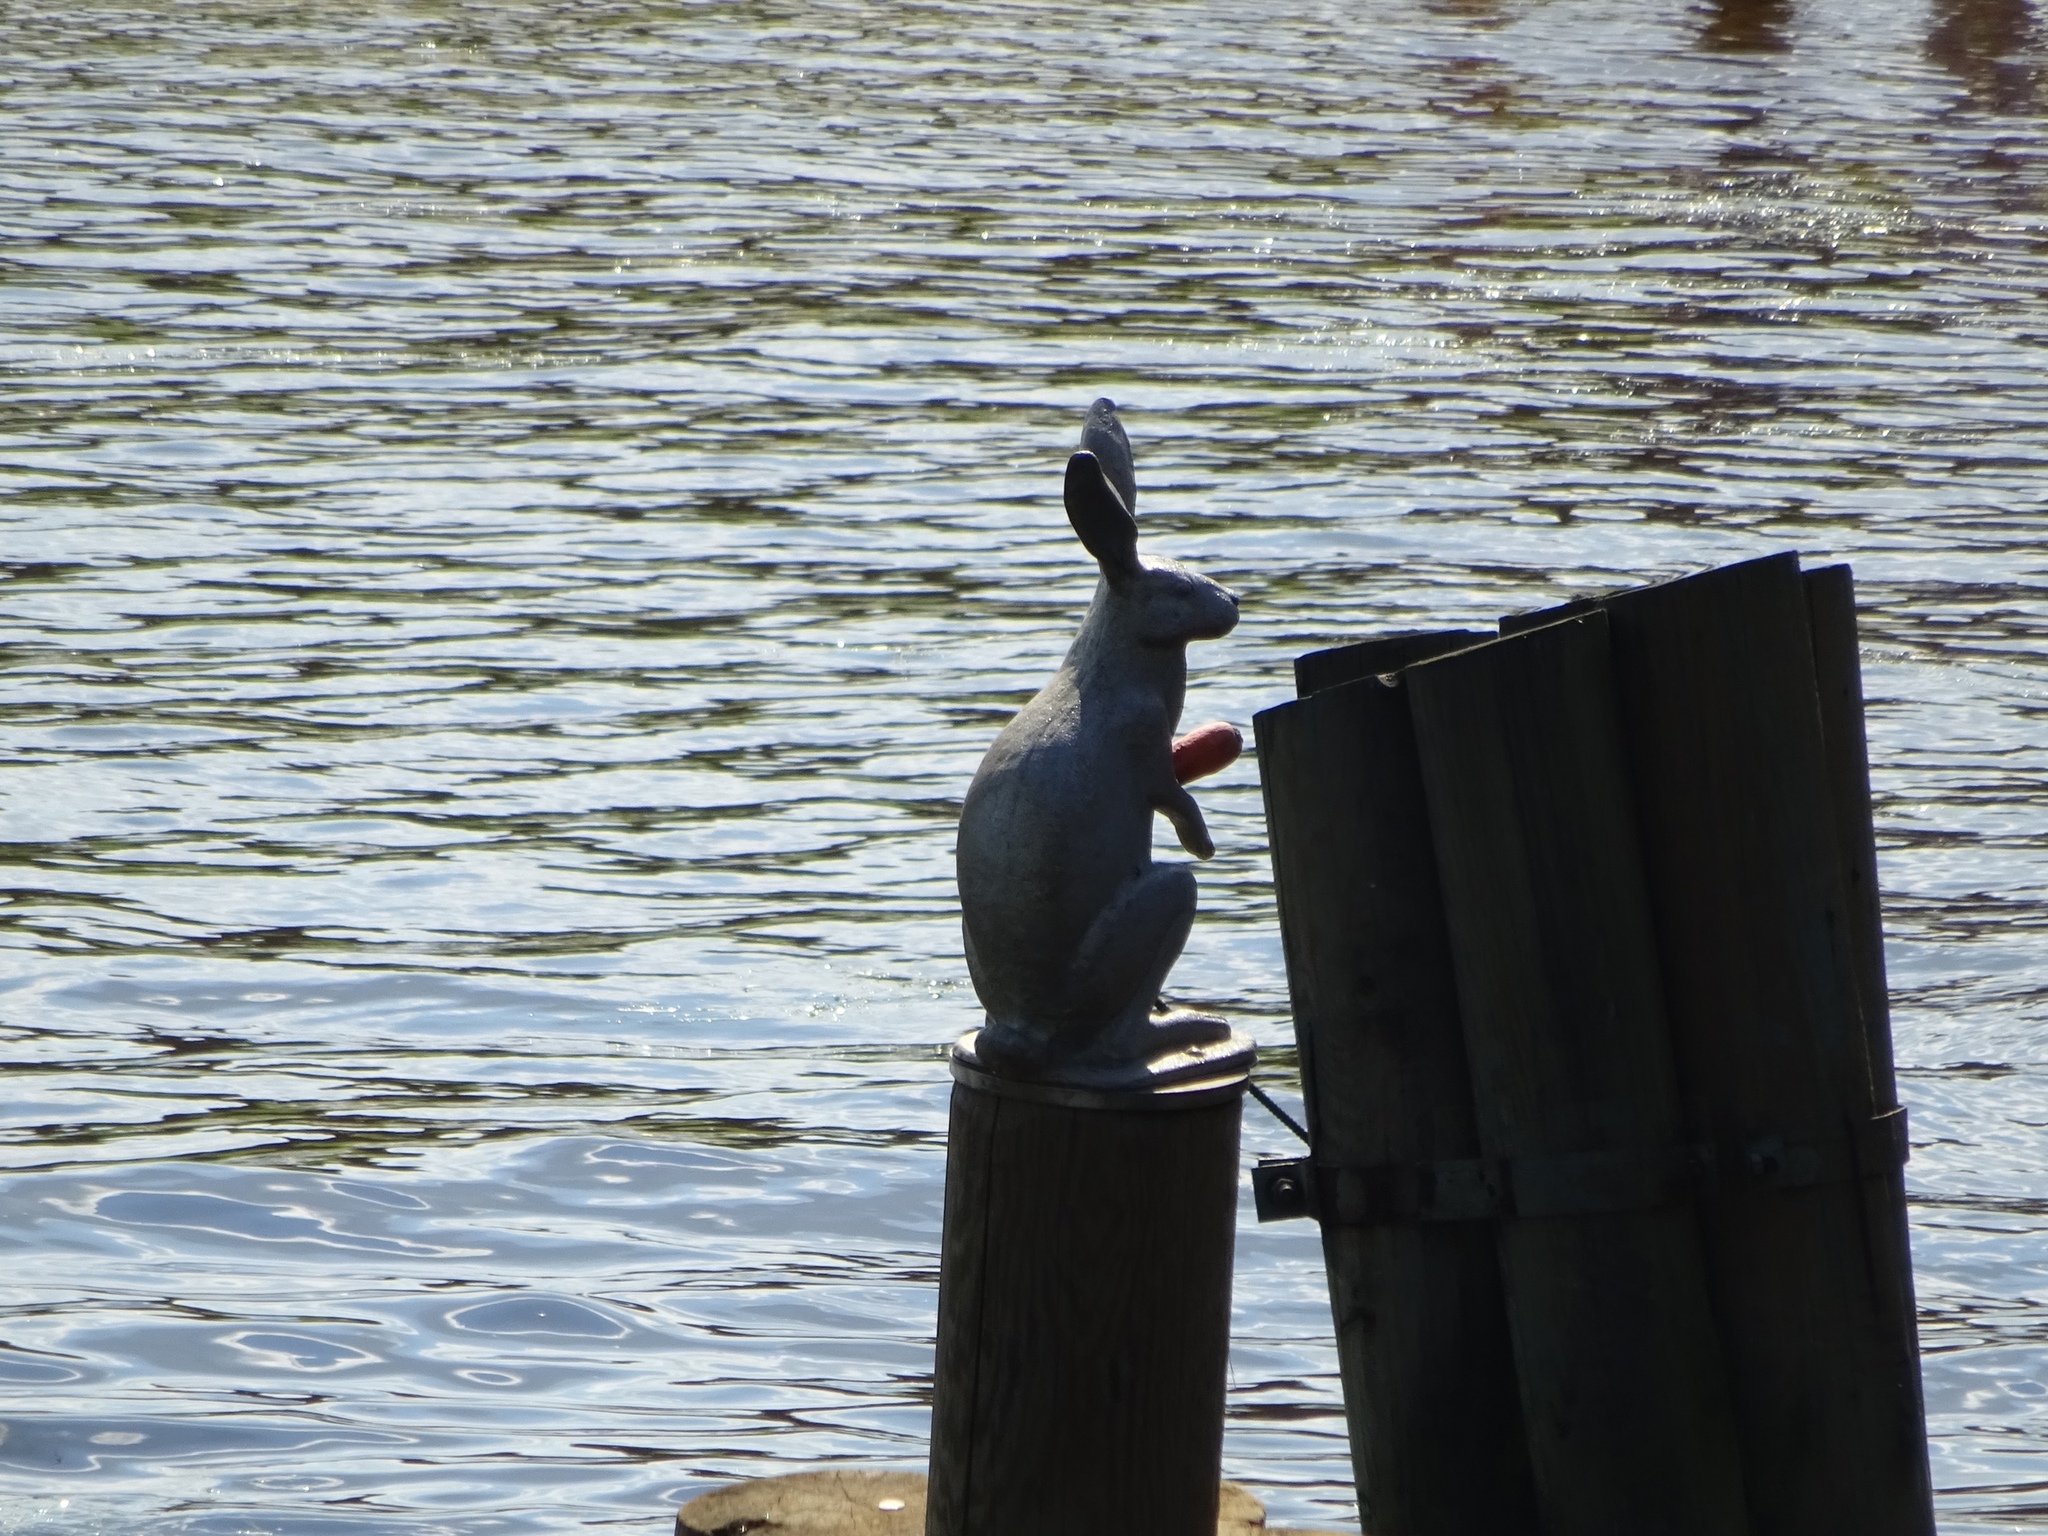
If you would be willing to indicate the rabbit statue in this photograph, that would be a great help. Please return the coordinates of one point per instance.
(1070, 927)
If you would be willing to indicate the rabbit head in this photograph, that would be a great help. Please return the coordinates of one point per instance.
(1158, 601)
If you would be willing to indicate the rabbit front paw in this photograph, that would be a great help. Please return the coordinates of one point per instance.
(1180, 809)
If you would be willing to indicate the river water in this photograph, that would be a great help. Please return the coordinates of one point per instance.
(518, 522)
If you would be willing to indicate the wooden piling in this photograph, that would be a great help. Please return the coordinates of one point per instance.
(1621, 1378)
(1755, 832)
(1838, 674)
(1378, 656)
(1437, 1440)
(1881, 1178)
(1084, 1310)
(1838, 682)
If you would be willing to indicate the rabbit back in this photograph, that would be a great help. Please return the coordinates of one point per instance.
(1055, 822)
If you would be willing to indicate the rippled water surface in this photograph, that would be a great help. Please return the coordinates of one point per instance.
(518, 522)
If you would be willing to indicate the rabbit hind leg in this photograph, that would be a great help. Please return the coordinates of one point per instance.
(1121, 966)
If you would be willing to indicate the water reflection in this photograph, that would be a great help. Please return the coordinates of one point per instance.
(1482, 13)
(552, 1316)
(1992, 47)
(1747, 26)
(294, 1352)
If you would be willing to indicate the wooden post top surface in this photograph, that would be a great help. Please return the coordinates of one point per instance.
(851, 1502)
(1195, 1078)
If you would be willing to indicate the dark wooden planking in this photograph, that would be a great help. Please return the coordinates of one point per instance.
(1838, 675)
(1838, 680)
(1084, 1319)
(1739, 826)
(1370, 658)
(1620, 1372)
(1429, 1388)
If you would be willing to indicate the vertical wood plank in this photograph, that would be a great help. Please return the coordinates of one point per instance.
(1629, 1424)
(1838, 681)
(1437, 1441)
(1741, 823)
(1838, 676)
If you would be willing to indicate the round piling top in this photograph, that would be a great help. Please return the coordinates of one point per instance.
(1188, 1079)
(849, 1502)
(831, 1503)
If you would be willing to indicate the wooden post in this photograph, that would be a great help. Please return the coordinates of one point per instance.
(1621, 1377)
(1773, 1020)
(1084, 1309)
(1437, 1443)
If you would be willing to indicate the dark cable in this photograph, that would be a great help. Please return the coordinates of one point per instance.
(1278, 1113)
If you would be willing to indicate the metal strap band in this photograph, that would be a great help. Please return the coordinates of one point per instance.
(1569, 1184)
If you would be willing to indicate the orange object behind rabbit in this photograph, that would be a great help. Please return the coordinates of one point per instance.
(1205, 750)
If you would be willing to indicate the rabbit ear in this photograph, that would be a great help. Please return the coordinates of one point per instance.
(1100, 517)
(1103, 435)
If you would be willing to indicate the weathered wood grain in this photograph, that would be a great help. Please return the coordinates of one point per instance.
(1084, 1318)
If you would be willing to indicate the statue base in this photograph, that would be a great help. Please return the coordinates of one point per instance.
(1114, 1083)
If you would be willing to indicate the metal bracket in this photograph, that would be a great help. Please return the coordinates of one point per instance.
(1282, 1188)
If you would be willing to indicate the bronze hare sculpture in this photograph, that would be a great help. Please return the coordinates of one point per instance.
(1070, 926)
